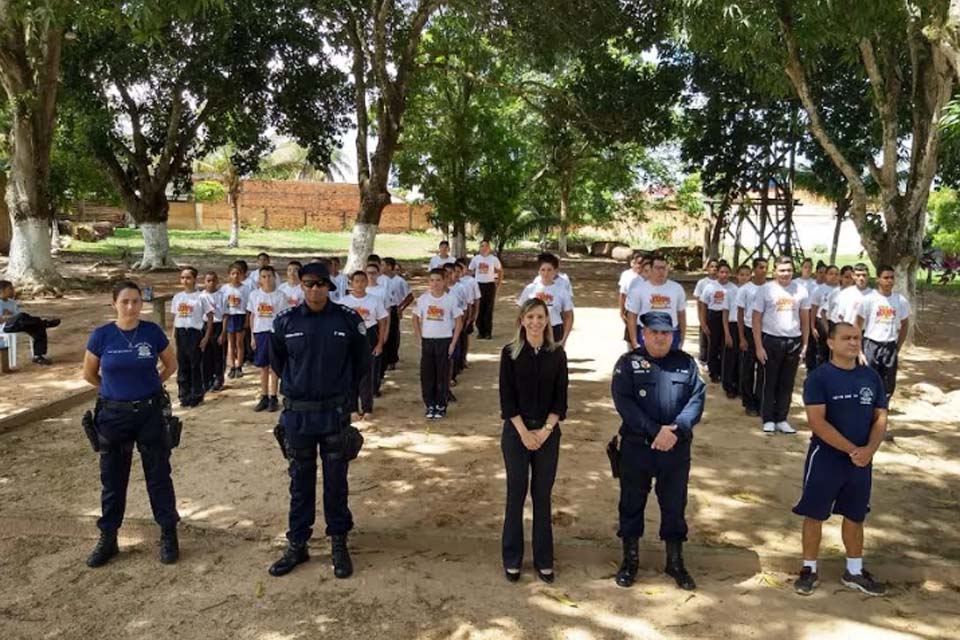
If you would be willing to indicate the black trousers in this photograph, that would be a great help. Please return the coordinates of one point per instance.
(371, 377)
(391, 348)
(189, 364)
(488, 297)
(714, 344)
(214, 358)
(121, 430)
(435, 371)
(730, 371)
(536, 471)
(703, 357)
(557, 333)
(823, 349)
(810, 355)
(33, 326)
(302, 449)
(751, 374)
(780, 372)
(882, 357)
(639, 467)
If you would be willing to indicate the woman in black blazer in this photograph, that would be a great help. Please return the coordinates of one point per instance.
(533, 401)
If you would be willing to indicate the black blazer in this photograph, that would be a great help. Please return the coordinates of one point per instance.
(534, 385)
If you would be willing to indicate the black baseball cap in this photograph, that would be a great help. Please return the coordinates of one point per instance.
(319, 270)
(657, 320)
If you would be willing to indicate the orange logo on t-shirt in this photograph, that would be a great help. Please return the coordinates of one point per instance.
(233, 302)
(718, 296)
(483, 267)
(184, 310)
(364, 312)
(886, 314)
(265, 310)
(785, 304)
(546, 297)
(659, 301)
(435, 313)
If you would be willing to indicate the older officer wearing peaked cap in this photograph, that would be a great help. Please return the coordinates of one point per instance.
(659, 395)
(319, 351)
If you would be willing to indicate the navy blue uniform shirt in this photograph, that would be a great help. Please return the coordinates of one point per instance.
(850, 397)
(653, 392)
(128, 360)
(318, 356)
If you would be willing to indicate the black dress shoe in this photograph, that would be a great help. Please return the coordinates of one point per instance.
(273, 404)
(263, 404)
(342, 565)
(42, 360)
(294, 555)
(106, 549)
(546, 577)
(512, 576)
(169, 546)
(52, 322)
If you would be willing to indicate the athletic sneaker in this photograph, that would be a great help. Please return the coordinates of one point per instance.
(769, 427)
(440, 413)
(233, 373)
(431, 413)
(864, 583)
(784, 427)
(807, 582)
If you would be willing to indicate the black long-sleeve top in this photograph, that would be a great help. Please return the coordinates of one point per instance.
(534, 385)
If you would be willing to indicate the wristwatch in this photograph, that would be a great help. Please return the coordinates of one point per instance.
(548, 427)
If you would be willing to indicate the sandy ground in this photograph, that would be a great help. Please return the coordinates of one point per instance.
(428, 499)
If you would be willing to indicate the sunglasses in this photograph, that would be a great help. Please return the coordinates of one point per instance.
(314, 284)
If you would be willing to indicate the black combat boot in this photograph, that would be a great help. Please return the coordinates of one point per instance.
(675, 566)
(295, 554)
(169, 546)
(342, 565)
(106, 548)
(631, 562)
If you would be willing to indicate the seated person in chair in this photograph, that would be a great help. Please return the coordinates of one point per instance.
(13, 321)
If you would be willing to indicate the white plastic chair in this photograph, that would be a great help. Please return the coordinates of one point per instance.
(10, 340)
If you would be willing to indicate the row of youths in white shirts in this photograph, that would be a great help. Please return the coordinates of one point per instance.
(785, 313)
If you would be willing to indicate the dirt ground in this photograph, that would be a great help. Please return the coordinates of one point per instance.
(428, 500)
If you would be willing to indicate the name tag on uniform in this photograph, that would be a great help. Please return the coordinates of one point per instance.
(340, 333)
(298, 334)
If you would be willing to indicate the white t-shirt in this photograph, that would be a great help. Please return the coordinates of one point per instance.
(781, 307)
(189, 310)
(732, 296)
(216, 302)
(370, 307)
(717, 296)
(830, 302)
(701, 283)
(340, 281)
(462, 293)
(438, 316)
(561, 279)
(883, 315)
(848, 303)
(626, 278)
(820, 294)
(437, 261)
(264, 308)
(235, 299)
(745, 296)
(253, 279)
(471, 284)
(293, 292)
(484, 268)
(809, 283)
(555, 296)
(645, 296)
(399, 290)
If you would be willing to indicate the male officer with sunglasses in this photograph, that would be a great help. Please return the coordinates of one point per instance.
(319, 351)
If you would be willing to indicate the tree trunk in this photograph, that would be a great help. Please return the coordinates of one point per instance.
(716, 236)
(374, 197)
(234, 220)
(458, 244)
(151, 211)
(6, 224)
(841, 210)
(565, 187)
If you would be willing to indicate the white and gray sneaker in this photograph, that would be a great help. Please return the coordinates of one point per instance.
(769, 427)
(784, 427)
(864, 583)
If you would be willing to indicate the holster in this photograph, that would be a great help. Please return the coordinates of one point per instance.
(613, 453)
(172, 429)
(281, 438)
(90, 430)
(352, 442)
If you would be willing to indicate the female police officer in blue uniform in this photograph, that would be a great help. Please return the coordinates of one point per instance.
(659, 396)
(121, 360)
(319, 351)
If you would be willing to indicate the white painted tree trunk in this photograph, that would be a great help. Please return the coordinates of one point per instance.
(156, 246)
(234, 224)
(361, 245)
(31, 265)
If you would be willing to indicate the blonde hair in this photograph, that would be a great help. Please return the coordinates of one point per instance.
(520, 337)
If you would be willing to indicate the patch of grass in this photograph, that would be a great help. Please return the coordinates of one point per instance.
(302, 243)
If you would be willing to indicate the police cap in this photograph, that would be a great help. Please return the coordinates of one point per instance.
(319, 270)
(657, 321)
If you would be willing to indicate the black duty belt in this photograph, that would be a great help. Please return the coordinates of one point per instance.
(325, 404)
(135, 405)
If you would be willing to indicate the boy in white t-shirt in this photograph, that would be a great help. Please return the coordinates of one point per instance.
(263, 307)
(714, 300)
(730, 375)
(488, 271)
(437, 323)
(214, 356)
(400, 298)
(253, 278)
(192, 329)
(697, 292)
(884, 317)
(471, 285)
(443, 256)
(236, 294)
(376, 319)
(656, 294)
(556, 296)
(291, 288)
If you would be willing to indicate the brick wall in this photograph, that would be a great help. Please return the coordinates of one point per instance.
(323, 206)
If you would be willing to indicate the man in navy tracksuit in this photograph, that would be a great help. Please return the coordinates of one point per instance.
(847, 411)
(659, 395)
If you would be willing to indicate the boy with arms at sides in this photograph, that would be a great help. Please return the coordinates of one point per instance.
(555, 295)
(437, 323)
(236, 295)
(192, 330)
(263, 307)
(376, 322)
(291, 288)
(214, 357)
